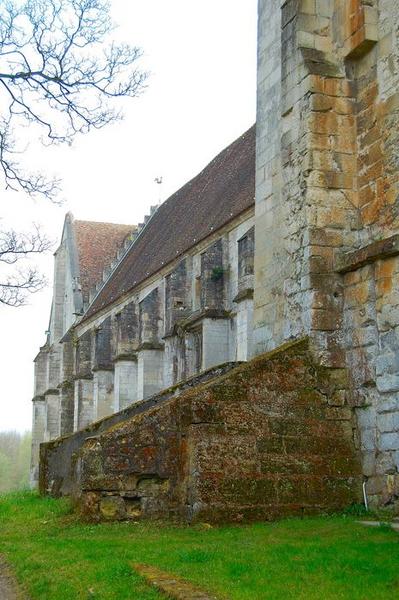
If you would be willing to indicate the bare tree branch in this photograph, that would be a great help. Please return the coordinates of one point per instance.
(15, 290)
(14, 247)
(57, 74)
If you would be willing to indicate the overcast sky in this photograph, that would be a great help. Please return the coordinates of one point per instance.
(200, 97)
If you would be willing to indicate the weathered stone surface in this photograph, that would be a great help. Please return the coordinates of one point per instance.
(258, 443)
(351, 261)
(58, 457)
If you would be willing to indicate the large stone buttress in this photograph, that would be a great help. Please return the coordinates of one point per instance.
(326, 258)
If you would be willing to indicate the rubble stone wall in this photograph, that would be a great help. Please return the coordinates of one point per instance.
(271, 438)
(58, 457)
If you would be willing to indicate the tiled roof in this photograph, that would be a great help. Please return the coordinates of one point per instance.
(223, 190)
(97, 246)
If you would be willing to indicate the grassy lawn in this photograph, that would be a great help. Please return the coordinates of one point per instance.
(57, 557)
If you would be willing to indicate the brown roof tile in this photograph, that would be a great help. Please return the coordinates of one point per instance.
(97, 246)
(223, 190)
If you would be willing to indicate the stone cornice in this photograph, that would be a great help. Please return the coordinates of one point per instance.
(210, 313)
(127, 356)
(109, 367)
(38, 398)
(150, 346)
(53, 391)
(351, 261)
(246, 294)
(86, 376)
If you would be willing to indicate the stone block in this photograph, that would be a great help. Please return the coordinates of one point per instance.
(368, 439)
(386, 422)
(324, 8)
(385, 464)
(368, 463)
(388, 403)
(308, 7)
(388, 383)
(387, 364)
(112, 508)
(389, 441)
(366, 418)
(389, 341)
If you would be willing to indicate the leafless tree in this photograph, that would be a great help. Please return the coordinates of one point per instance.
(58, 76)
(57, 73)
(15, 285)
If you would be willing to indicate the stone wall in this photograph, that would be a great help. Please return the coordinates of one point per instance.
(371, 278)
(58, 457)
(271, 438)
(327, 189)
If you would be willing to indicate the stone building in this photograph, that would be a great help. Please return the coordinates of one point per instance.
(175, 300)
(299, 286)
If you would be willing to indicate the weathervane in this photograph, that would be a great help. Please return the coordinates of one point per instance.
(159, 181)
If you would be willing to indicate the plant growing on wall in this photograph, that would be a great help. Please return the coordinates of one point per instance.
(217, 273)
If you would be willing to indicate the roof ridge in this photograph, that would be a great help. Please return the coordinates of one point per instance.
(104, 223)
(120, 255)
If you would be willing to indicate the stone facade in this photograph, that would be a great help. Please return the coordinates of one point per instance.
(315, 258)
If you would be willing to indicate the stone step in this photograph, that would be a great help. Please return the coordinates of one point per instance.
(170, 585)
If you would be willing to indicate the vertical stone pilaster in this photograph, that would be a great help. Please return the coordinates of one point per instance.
(66, 388)
(177, 295)
(126, 384)
(150, 367)
(269, 208)
(40, 376)
(149, 372)
(83, 403)
(39, 422)
(193, 351)
(67, 407)
(306, 204)
(170, 376)
(244, 322)
(244, 297)
(53, 430)
(83, 388)
(215, 342)
(212, 277)
(103, 393)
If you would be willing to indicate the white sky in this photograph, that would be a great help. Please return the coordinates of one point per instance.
(200, 97)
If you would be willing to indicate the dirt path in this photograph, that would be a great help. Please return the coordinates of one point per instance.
(9, 589)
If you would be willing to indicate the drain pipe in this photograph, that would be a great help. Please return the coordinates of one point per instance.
(366, 504)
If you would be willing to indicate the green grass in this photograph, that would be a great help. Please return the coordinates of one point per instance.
(57, 557)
